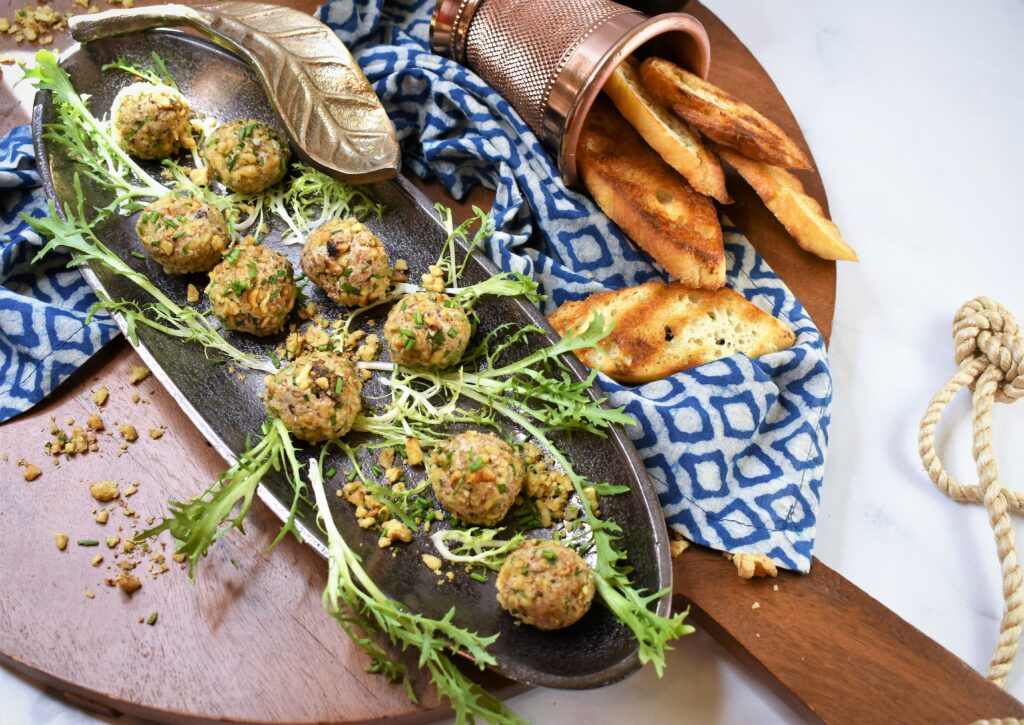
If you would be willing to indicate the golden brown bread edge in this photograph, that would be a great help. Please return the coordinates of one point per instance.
(649, 200)
(720, 116)
(661, 329)
(799, 213)
(678, 144)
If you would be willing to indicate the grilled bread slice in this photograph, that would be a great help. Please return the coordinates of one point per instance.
(661, 329)
(801, 215)
(679, 145)
(652, 203)
(719, 116)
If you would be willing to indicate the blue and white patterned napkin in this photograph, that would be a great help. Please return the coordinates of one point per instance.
(43, 335)
(736, 448)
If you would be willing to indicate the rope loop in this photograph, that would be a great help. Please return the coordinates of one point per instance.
(984, 328)
(989, 352)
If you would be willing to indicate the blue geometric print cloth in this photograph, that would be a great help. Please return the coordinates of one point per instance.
(735, 448)
(43, 335)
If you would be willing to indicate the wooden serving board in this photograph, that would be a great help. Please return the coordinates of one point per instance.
(248, 641)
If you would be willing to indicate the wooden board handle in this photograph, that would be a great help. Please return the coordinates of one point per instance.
(828, 648)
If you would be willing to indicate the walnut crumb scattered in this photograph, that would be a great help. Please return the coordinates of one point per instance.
(95, 422)
(136, 397)
(755, 605)
(156, 433)
(61, 540)
(31, 472)
(754, 565)
(391, 531)
(104, 490)
(138, 374)
(432, 562)
(775, 587)
(131, 489)
(90, 594)
(99, 397)
(113, 541)
(128, 583)
(97, 560)
(413, 452)
(128, 432)
(101, 517)
(678, 546)
(192, 294)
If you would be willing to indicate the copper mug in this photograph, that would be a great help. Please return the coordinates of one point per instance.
(550, 58)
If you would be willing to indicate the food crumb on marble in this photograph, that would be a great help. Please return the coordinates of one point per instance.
(138, 374)
(61, 540)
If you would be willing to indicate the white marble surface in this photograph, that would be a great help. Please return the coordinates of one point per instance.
(913, 110)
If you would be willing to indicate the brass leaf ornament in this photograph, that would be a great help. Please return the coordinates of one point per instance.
(326, 104)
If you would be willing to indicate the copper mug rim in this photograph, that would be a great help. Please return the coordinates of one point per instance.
(615, 55)
(578, 82)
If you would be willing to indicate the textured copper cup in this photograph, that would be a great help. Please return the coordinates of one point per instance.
(550, 58)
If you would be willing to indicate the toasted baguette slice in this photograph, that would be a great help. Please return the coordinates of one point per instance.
(719, 116)
(661, 329)
(801, 215)
(650, 201)
(679, 145)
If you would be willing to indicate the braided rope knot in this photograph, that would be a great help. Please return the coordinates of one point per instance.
(983, 327)
(990, 359)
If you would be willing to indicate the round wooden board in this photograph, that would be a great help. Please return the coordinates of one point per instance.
(248, 640)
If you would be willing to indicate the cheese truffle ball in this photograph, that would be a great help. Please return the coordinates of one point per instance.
(476, 476)
(183, 234)
(348, 262)
(247, 156)
(151, 121)
(316, 396)
(428, 329)
(545, 584)
(252, 290)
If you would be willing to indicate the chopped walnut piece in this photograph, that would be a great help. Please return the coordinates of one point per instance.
(138, 374)
(101, 516)
(61, 540)
(678, 546)
(391, 531)
(751, 565)
(104, 490)
(95, 422)
(99, 397)
(128, 583)
(192, 294)
(31, 472)
(413, 452)
(113, 541)
(128, 432)
(97, 560)
(432, 562)
(156, 433)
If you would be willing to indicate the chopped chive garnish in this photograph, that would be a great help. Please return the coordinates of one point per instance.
(351, 289)
(479, 576)
(330, 472)
(339, 383)
(88, 542)
(138, 255)
(417, 318)
(452, 332)
(152, 619)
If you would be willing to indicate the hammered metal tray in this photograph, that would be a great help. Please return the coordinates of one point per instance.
(595, 651)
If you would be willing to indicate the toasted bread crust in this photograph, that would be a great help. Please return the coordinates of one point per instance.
(720, 116)
(652, 203)
(678, 144)
(664, 328)
(800, 214)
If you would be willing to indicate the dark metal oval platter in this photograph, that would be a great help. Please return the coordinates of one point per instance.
(595, 651)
